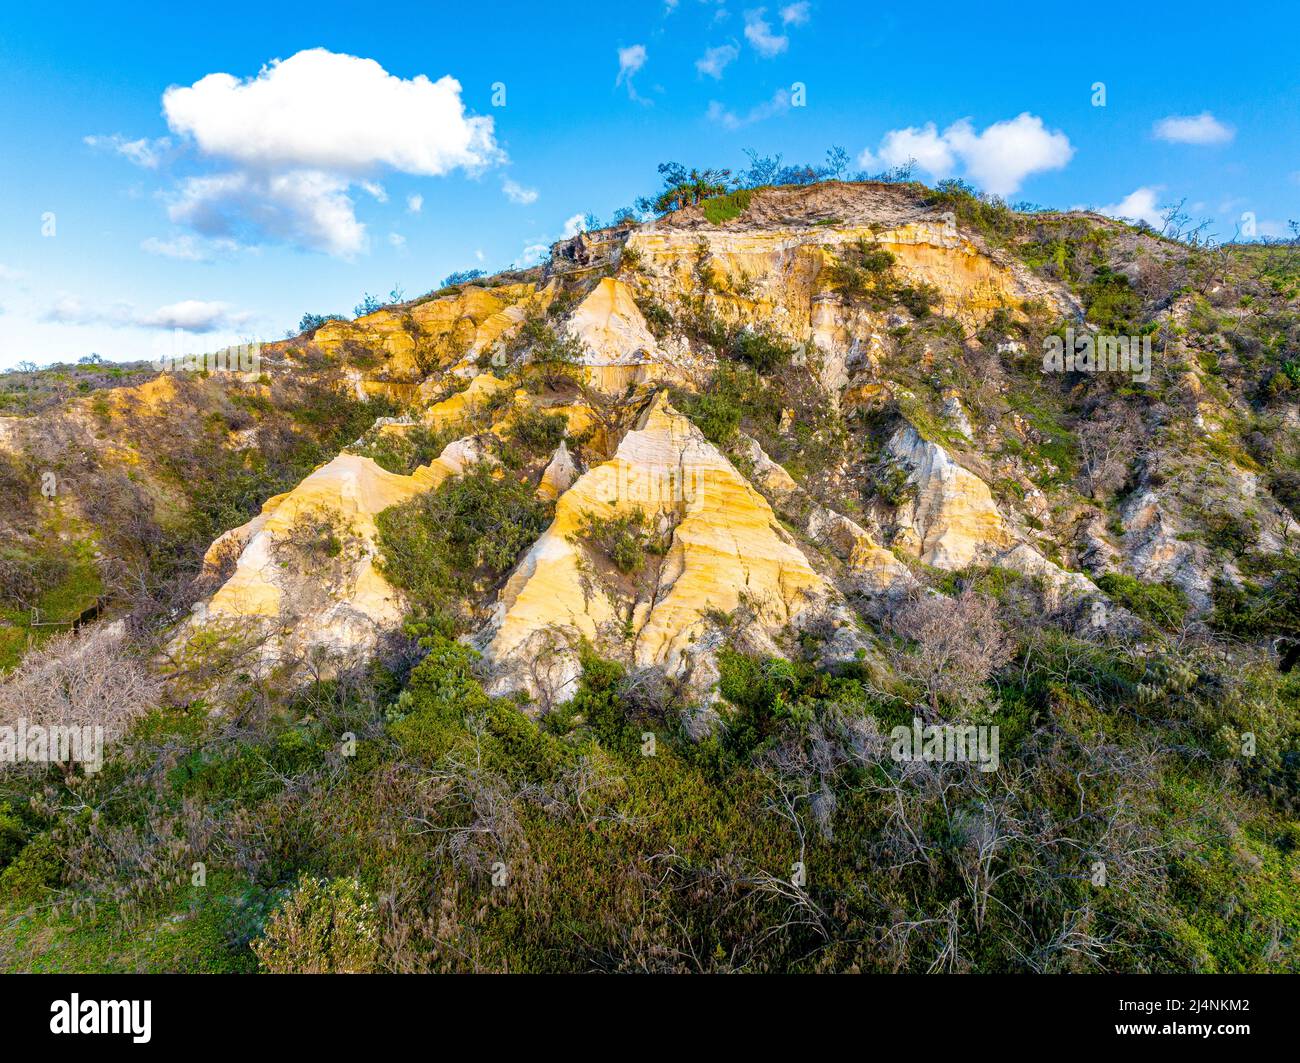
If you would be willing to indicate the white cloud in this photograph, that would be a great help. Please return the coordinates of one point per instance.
(517, 193)
(397, 240)
(323, 110)
(998, 159)
(1202, 128)
(1138, 205)
(307, 208)
(795, 14)
(291, 144)
(533, 254)
(188, 248)
(778, 104)
(931, 151)
(630, 60)
(192, 315)
(8, 273)
(715, 60)
(758, 31)
(573, 226)
(142, 152)
(70, 310)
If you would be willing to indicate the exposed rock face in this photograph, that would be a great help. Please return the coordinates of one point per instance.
(465, 404)
(1154, 551)
(873, 570)
(772, 274)
(953, 522)
(620, 348)
(725, 548)
(285, 590)
(559, 475)
(720, 549)
(439, 332)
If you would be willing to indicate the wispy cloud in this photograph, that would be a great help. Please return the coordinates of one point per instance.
(517, 193)
(728, 119)
(758, 31)
(192, 315)
(715, 60)
(189, 248)
(1199, 129)
(795, 14)
(630, 61)
(143, 152)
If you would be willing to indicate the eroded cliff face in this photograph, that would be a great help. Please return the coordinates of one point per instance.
(722, 547)
(409, 343)
(300, 580)
(729, 532)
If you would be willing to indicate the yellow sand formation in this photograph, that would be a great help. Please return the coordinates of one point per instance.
(441, 331)
(349, 490)
(727, 547)
(772, 276)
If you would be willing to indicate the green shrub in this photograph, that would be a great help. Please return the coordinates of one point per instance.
(536, 432)
(475, 525)
(723, 208)
(764, 351)
(717, 415)
(405, 451)
(1164, 604)
(13, 834)
(863, 270)
(321, 928)
(1112, 304)
(622, 537)
(35, 870)
(1263, 608)
(658, 318)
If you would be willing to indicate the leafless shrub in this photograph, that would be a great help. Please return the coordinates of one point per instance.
(960, 642)
(78, 680)
(489, 826)
(1108, 437)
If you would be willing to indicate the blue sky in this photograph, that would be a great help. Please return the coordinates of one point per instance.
(245, 200)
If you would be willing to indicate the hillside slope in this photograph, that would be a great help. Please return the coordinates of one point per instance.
(618, 573)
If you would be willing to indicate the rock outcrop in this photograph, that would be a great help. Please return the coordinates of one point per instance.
(303, 578)
(724, 549)
(951, 520)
